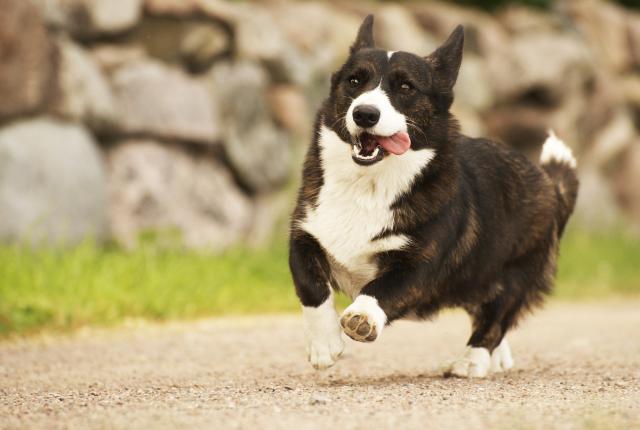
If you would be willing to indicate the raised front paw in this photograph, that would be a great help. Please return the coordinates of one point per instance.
(363, 320)
(358, 327)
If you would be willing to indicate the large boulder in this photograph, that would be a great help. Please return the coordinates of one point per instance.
(596, 208)
(289, 108)
(320, 32)
(525, 19)
(52, 186)
(110, 57)
(566, 59)
(83, 93)
(626, 180)
(257, 36)
(159, 101)
(259, 152)
(27, 59)
(611, 140)
(91, 18)
(604, 27)
(397, 30)
(160, 187)
(473, 88)
(195, 43)
(633, 24)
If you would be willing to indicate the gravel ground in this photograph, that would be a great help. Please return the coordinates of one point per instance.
(576, 366)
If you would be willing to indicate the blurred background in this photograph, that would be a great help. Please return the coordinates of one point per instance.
(150, 149)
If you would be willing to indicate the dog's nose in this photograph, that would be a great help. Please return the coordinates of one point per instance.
(366, 115)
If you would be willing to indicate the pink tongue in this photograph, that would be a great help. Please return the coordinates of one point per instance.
(397, 144)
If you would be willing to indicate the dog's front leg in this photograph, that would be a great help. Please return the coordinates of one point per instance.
(311, 276)
(379, 302)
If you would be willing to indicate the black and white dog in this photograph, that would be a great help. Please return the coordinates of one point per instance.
(407, 216)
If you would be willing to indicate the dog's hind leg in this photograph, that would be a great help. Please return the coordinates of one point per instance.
(485, 347)
(521, 287)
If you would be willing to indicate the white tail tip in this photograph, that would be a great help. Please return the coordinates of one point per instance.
(556, 150)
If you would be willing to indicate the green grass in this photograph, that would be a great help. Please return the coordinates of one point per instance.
(51, 289)
(595, 265)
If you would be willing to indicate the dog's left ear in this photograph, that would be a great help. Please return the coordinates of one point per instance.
(447, 58)
(365, 35)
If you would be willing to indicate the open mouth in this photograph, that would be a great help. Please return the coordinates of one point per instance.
(369, 148)
(366, 150)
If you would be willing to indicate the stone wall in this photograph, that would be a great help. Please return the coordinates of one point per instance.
(124, 116)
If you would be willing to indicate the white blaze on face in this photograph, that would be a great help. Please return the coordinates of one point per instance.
(391, 121)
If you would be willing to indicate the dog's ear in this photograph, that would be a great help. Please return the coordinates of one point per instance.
(447, 58)
(365, 35)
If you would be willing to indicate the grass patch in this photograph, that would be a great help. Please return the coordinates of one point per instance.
(594, 265)
(57, 289)
(92, 285)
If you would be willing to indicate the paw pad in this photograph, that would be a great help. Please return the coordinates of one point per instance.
(358, 327)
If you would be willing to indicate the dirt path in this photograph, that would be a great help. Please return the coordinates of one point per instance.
(576, 366)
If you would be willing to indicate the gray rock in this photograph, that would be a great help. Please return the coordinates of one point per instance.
(195, 42)
(289, 108)
(83, 93)
(320, 32)
(256, 35)
(91, 18)
(521, 127)
(397, 30)
(603, 25)
(258, 38)
(203, 44)
(162, 188)
(52, 186)
(612, 140)
(596, 208)
(259, 153)
(630, 89)
(27, 64)
(565, 58)
(633, 24)
(626, 180)
(469, 120)
(111, 57)
(474, 88)
(155, 100)
(523, 19)
(177, 8)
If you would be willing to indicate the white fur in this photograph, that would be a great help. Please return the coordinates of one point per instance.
(391, 121)
(474, 363)
(354, 206)
(367, 305)
(323, 332)
(555, 149)
(390, 54)
(501, 357)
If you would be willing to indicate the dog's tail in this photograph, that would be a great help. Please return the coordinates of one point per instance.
(559, 163)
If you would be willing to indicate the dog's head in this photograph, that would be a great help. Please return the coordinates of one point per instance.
(385, 103)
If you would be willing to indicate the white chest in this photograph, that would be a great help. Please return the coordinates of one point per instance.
(354, 206)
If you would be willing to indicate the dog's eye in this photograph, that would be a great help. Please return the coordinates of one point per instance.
(354, 82)
(406, 86)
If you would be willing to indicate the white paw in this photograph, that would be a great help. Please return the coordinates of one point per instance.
(501, 359)
(324, 336)
(363, 320)
(474, 363)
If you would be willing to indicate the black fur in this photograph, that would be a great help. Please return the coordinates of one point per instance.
(484, 221)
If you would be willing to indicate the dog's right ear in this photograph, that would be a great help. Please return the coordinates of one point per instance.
(365, 35)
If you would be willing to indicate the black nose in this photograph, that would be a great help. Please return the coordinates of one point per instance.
(366, 115)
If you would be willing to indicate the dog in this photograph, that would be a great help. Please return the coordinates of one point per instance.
(406, 215)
